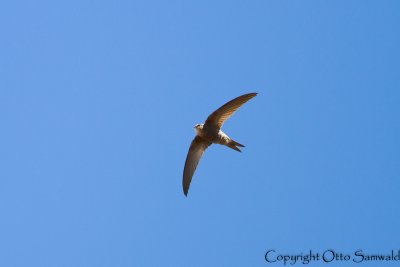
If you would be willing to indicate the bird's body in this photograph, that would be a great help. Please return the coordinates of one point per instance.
(215, 136)
(210, 132)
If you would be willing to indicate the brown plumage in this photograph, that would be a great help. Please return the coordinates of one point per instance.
(210, 132)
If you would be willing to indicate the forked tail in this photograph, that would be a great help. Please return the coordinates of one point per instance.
(234, 145)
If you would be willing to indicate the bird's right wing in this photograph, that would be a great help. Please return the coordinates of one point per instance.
(196, 150)
(218, 117)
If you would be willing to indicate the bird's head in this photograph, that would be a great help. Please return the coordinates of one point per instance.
(198, 127)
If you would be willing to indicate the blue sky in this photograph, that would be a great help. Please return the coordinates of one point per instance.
(98, 100)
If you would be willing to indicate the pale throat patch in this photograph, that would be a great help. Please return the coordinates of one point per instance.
(198, 130)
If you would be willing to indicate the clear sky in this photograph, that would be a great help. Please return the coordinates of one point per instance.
(98, 100)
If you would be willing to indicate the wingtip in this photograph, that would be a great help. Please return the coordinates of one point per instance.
(251, 95)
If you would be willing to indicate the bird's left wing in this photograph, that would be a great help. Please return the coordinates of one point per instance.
(218, 117)
(196, 150)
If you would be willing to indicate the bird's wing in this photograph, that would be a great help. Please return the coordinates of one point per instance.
(196, 150)
(218, 117)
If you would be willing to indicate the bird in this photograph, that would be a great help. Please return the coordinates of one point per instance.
(210, 133)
